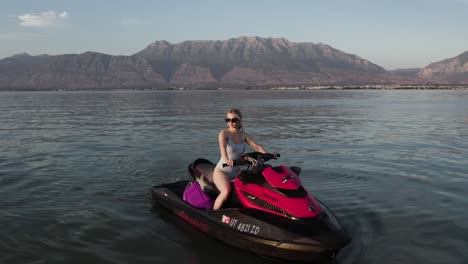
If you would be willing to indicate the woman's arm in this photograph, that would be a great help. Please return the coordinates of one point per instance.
(222, 146)
(254, 145)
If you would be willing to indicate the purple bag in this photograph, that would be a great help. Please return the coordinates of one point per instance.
(196, 197)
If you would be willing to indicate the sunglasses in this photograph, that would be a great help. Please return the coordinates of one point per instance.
(231, 120)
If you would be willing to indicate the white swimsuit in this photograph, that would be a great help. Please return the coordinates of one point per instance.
(234, 152)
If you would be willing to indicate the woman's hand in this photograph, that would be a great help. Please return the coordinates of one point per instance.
(230, 163)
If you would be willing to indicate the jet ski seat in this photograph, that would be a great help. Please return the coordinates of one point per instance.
(201, 171)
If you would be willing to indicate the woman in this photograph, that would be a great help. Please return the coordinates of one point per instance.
(231, 145)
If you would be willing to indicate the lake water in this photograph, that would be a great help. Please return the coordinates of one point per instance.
(76, 168)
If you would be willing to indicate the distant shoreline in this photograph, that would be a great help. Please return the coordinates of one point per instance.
(280, 88)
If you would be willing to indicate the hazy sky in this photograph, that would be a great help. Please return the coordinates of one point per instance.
(393, 34)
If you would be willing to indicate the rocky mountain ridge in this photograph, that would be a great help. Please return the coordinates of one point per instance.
(453, 70)
(245, 62)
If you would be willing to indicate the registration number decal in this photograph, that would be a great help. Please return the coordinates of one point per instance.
(242, 227)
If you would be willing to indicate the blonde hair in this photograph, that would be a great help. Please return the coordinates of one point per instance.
(238, 113)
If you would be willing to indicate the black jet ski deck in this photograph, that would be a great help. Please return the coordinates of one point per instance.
(316, 239)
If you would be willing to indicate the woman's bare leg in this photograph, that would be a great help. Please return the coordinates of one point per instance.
(221, 180)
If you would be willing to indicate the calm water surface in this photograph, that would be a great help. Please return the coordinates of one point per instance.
(76, 167)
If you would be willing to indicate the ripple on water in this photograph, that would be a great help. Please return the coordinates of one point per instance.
(426, 241)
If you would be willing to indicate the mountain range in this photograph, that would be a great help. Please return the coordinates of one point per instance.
(244, 62)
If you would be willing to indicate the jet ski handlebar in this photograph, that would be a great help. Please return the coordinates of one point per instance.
(254, 158)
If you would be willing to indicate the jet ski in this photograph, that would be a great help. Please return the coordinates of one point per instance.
(269, 212)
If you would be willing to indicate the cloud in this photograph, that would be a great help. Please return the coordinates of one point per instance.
(44, 19)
